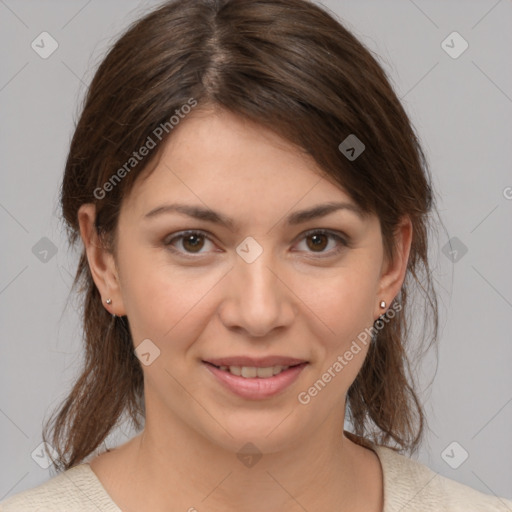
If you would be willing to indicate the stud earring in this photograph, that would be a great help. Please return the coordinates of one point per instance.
(109, 301)
(382, 304)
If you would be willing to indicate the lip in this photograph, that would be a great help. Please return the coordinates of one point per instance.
(261, 362)
(256, 388)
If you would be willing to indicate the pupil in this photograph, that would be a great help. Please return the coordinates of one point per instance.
(317, 240)
(190, 240)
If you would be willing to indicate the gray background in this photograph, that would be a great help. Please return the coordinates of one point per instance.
(462, 110)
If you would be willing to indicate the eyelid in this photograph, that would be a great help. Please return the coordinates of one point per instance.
(342, 238)
(179, 235)
(328, 232)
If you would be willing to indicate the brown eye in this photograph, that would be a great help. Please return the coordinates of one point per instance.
(193, 242)
(188, 242)
(318, 241)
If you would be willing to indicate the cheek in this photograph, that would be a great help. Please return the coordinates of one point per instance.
(172, 304)
(164, 302)
(342, 303)
(345, 306)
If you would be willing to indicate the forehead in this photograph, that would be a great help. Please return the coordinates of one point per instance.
(217, 158)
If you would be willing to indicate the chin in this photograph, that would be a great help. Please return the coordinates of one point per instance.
(253, 434)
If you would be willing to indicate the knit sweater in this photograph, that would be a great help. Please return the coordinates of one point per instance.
(408, 486)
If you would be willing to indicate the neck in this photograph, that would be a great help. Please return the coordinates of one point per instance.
(174, 465)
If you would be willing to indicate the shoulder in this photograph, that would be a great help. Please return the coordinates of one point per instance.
(76, 489)
(410, 485)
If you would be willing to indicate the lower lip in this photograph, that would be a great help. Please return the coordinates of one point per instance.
(257, 388)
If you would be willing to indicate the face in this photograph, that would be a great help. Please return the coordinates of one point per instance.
(266, 282)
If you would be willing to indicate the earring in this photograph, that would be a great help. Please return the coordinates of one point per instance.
(382, 304)
(109, 301)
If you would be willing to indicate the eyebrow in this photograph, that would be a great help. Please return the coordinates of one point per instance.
(298, 217)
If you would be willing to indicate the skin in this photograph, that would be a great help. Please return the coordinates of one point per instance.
(296, 299)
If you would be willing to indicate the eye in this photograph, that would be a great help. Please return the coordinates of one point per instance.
(191, 241)
(317, 240)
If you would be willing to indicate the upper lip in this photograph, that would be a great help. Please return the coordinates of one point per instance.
(261, 362)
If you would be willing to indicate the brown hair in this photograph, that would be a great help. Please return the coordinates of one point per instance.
(290, 66)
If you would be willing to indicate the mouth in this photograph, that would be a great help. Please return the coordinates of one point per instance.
(252, 372)
(255, 382)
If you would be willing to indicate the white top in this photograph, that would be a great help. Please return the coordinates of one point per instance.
(408, 486)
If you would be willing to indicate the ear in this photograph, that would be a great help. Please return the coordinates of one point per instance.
(101, 261)
(393, 272)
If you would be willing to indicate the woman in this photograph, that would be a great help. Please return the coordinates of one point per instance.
(252, 237)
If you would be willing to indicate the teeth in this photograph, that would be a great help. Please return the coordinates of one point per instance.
(249, 372)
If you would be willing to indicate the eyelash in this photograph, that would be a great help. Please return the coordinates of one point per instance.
(342, 241)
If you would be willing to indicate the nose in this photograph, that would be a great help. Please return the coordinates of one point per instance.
(257, 298)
